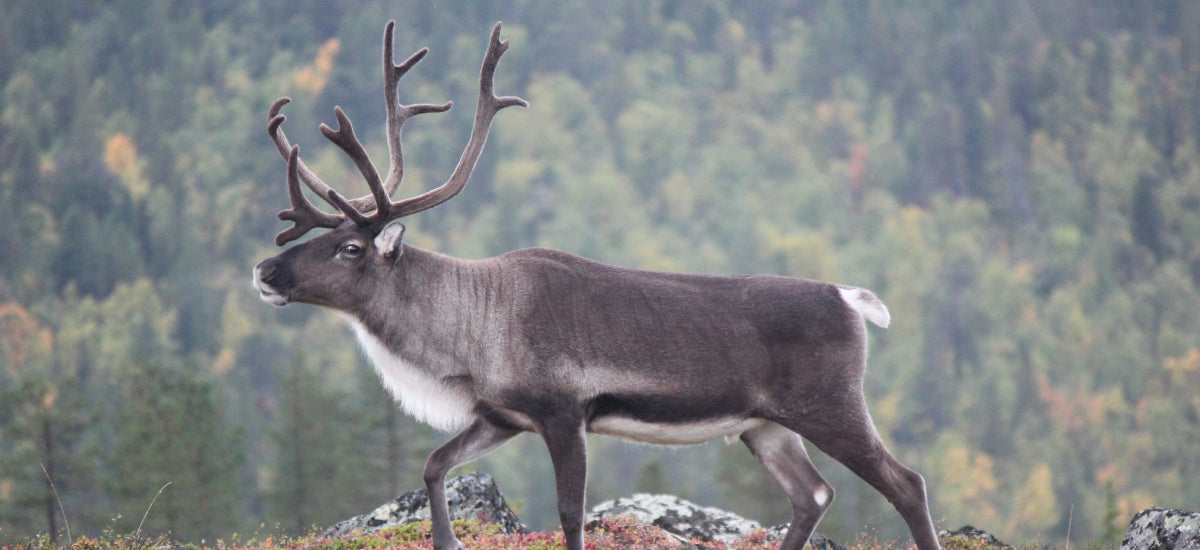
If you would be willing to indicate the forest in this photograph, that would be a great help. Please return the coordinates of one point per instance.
(1019, 181)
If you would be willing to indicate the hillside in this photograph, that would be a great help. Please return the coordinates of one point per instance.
(1018, 181)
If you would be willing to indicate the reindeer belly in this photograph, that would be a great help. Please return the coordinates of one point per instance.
(674, 433)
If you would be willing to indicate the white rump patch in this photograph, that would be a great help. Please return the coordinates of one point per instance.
(867, 304)
(421, 395)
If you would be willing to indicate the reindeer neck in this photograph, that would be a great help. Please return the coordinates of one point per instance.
(431, 315)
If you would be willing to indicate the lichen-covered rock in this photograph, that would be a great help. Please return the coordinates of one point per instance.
(471, 496)
(692, 521)
(1160, 529)
(816, 540)
(968, 535)
(678, 516)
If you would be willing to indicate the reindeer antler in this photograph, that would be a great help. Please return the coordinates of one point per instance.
(486, 109)
(397, 113)
(303, 215)
(306, 217)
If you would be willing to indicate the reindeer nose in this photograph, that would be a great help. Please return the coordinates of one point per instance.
(265, 269)
(269, 275)
(266, 282)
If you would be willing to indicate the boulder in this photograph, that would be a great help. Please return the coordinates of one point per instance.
(471, 496)
(815, 540)
(689, 520)
(974, 538)
(1160, 529)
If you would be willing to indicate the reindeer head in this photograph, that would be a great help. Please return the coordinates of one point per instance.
(344, 265)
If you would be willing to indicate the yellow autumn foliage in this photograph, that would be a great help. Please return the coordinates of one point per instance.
(1188, 362)
(1035, 507)
(20, 335)
(969, 481)
(121, 160)
(313, 77)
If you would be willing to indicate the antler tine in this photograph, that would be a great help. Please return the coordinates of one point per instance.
(275, 130)
(303, 215)
(487, 108)
(397, 113)
(345, 139)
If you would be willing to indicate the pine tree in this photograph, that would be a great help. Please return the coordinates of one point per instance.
(320, 456)
(46, 455)
(170, 430)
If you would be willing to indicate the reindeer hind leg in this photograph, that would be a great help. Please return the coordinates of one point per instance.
(782, 452)
(853, 441)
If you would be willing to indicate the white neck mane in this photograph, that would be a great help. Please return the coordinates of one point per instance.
(422, 395)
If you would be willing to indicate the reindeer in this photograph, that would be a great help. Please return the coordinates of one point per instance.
(543, 341)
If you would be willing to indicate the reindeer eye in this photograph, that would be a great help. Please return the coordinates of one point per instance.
(350, 249)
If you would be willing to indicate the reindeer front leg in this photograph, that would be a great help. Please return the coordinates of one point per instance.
(477, 440)
(566, 440)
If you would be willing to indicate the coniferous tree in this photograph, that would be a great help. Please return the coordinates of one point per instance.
(47, 458)
(169, 429)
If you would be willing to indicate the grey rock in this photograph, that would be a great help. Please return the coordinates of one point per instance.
(1161, 529)
(680, 517)
(815, 540)
(689, 520)
(821, 542)
(975, 534)
(471, 496)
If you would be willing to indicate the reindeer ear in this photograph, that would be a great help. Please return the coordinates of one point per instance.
(390, 242)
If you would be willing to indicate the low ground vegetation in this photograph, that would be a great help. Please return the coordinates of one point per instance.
(621, 533)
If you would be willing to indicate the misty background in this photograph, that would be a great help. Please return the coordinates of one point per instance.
(1019, 181)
